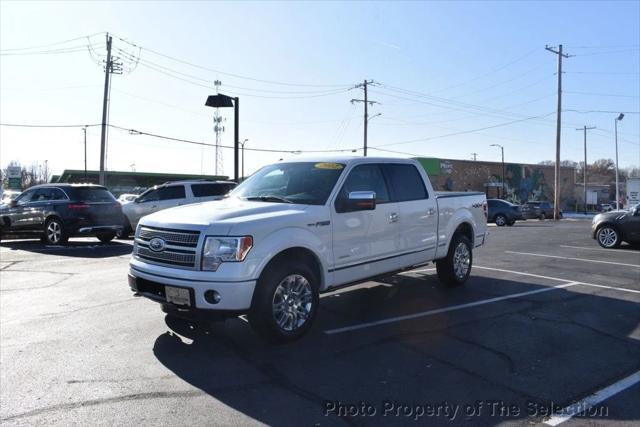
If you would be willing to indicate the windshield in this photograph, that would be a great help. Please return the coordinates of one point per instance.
(308, 183)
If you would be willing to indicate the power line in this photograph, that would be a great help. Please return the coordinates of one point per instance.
(239, 76)
(52, 44)
(28, 125)
(602, 94)
(602, 111)
(73, 49)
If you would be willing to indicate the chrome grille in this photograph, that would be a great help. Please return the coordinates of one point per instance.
(170, 236)
(180, 246)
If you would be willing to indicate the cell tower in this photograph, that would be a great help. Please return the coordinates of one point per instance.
(218, 129)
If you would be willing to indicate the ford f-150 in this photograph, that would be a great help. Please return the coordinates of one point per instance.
(296, 229)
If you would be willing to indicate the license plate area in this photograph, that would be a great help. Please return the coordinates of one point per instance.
(178, 296)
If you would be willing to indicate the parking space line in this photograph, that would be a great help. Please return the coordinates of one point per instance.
(599, 249)
(445, 309)
(573, 259)
(599, 396)
(557, 279)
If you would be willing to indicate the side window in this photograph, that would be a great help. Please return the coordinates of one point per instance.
(208, 190)
(363, 178)
(25, 197)
(492, 203)
(57, 194)
(405, 181)
(42, 195)
(171, 193)
(150, 196)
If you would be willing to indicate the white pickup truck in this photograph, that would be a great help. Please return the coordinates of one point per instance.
(296, 229)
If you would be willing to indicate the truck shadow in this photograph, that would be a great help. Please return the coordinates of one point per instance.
(524, 355)
(76, 249)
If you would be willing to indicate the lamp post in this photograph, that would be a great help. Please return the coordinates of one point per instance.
(242, 145)
(502, 151)
(619, 118)
(224, 101)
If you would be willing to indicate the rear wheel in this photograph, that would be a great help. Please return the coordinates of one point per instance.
(455, 269)
(54, 233)
(106, 237)
(608, 237)
(285, 301)
(501, 220)
(542, 216)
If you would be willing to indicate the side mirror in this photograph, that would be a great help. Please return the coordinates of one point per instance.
(361, 201)
(13, 203)
(636, 211)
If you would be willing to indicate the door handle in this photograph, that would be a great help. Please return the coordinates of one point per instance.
(431, 211)
(393, 217)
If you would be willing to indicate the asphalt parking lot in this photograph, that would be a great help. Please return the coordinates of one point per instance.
(547, 320)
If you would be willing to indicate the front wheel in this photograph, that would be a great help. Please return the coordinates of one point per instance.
(455, 269)
(542, 216)
(608, 237)
(285, 301)
(54, 233)
(501, 220)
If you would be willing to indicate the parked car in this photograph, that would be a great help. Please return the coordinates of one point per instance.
(127, 198)
(55, 212)
(610, 229)
(539, 210)
(169, 195)
(9, 195)
(606, 207)
(295, 229)
(503, 213)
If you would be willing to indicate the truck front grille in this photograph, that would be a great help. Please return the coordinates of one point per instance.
(180, 246)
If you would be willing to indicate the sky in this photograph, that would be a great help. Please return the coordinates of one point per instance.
(451, 79)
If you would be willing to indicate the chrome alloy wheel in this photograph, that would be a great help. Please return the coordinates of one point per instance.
(461, 260)
(607, 237)
(292, 302)
(54, 232)
(501, 220)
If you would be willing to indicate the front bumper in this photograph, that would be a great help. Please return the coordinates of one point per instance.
(235, 297)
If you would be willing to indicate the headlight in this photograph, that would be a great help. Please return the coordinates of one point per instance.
(217, 250)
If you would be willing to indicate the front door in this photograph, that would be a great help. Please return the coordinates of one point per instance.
(364, 242)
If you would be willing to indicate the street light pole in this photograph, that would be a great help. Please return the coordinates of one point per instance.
(619, 118)
(85, 153)
(502, 151)
(242, 145)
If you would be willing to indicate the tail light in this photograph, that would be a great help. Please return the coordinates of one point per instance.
(77, 206)
(485, 210)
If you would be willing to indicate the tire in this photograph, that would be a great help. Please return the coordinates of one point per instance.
(455, 269)
(272, 315)
(510, 223)
(500, 220)
(542, 217)
(106, 237)
(54, 232)
(608, 237)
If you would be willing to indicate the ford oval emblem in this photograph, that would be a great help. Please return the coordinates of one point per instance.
(156, 244)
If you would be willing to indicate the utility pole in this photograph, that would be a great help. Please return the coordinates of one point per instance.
(556, 180)
(584, 171)
(475, 156)
(111, 66)
(85, 153)
(503, 171)
(619, 118)
(218, 129)
(242, 144)
(366, 102)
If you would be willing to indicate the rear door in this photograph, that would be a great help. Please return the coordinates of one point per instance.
(417, 211)
(170, 196)
(365, 243)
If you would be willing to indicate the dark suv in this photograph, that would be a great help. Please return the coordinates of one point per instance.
(56, 212)
(503, 213)
(540, 210)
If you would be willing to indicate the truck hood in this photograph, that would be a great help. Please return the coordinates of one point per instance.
(219, 216)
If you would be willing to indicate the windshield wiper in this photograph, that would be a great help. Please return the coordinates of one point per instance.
(270, 198)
